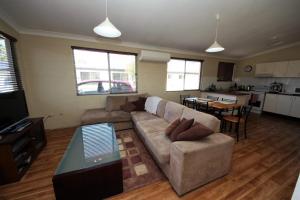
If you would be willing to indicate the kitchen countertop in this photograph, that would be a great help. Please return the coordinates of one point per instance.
(232, 93)
(285, 93)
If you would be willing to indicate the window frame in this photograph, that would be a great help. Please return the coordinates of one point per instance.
(185, 60)
(108, 59)
(12, 43)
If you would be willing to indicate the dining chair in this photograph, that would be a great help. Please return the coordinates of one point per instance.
(241, 118)
(182, 98)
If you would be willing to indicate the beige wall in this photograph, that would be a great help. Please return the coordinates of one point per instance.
(50, 79)
(291, 53)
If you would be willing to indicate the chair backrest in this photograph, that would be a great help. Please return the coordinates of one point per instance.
(212, 98)
(183, 96)
(229, 100)
(245, 111)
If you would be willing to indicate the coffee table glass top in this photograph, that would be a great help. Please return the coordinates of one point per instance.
(91, 145)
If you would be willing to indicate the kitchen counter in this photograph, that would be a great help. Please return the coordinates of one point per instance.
(231, 93)
(285, 93)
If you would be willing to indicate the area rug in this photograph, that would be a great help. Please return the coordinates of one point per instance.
(139, 169)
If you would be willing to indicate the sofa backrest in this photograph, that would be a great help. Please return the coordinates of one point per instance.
(135, 97)
(173, 111)
(115, 102)
(161, 108)
(207, 120)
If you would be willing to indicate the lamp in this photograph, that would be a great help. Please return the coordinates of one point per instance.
(106, 28)
(215, 47)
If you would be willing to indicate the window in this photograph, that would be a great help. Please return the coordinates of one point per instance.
(183, 74)
(104, 72)
(225, 71)
(9, 78)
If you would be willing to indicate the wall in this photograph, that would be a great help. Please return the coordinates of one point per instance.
(290, 53)
(50, 79)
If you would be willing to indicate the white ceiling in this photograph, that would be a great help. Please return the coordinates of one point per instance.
(247, 26)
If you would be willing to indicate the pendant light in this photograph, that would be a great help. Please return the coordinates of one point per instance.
(106, 28)
(216, 47)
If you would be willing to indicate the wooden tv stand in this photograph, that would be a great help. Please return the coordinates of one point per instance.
(19, 149)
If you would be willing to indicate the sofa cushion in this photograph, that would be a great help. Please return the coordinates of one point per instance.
(172, 127)
(184, 125)
(140, 104)
(161, 108)
(100, 116)
(135, 97)
(196, 132)
(141, 116)
(207, 120)
(152, 125)
(159, 144)
(173, 111)
(128, 107)
(115, 102)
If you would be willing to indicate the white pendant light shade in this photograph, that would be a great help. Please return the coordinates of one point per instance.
(107, 29)
(215, 47)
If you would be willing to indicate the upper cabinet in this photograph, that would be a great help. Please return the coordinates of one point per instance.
(264, 70)
(293, 69)
(278, 69)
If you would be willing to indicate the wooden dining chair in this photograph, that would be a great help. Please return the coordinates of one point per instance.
(241, 118)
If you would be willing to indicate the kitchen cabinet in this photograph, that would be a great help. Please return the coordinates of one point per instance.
(270, 104)
(264, 69)
(280, 69)
(283, 104)
(293, 69)
(295, 108)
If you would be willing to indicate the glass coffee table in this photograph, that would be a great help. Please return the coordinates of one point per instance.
(91, 167)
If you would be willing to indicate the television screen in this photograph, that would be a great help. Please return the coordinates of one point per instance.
(13, 108)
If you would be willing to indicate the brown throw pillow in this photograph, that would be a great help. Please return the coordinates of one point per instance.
(196, 132)
(172, 127)
(183, 126)
(140, 104)
(128, 107)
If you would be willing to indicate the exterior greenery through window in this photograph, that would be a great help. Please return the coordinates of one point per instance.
(183, 74)
(104, 72)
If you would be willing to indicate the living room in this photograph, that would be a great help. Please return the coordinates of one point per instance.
(53, 43)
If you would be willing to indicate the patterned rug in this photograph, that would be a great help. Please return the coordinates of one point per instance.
(139, 169)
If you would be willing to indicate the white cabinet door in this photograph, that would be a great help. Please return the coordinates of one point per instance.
(264, 69)
(293, 69)
(295, 109)
(270, 103)
(283, 105)
(280, 69)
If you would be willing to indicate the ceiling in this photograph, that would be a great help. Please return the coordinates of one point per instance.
(246, 27)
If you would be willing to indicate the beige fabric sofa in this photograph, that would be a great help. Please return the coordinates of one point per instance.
(187, 164)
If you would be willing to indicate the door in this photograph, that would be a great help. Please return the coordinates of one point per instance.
(295, 109)
(280, 69)
(270, 103)
(293, 69)
(283, 105)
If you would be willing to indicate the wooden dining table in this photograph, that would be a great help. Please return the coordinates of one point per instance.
(221, 106)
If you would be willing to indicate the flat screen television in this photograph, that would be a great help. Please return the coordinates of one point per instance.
(13, 109)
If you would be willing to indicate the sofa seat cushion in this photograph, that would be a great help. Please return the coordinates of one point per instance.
(152, 125)
(159, 144)
(100, 116)
(142, 116)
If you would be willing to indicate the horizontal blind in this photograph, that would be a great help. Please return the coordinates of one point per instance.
(9, 77)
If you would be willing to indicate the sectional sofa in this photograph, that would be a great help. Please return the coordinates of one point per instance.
(187, 164)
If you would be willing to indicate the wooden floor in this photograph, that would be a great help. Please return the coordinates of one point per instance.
(265, 166)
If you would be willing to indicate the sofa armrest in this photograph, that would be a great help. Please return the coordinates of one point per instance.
(195, 163)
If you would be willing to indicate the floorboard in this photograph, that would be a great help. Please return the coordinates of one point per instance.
(265, 166)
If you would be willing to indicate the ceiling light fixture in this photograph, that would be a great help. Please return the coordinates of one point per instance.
(215, 47)
(106, 28)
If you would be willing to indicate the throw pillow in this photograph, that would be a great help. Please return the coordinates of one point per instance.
(183, 126)
(128, 107)
(140, 104)
(172, 127)
(196, 132)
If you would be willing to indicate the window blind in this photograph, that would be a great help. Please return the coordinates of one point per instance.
(9, 77)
